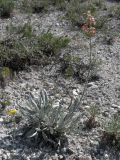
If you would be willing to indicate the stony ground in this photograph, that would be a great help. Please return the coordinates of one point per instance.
(105, 92)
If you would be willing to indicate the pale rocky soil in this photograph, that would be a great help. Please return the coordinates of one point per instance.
(105, 92)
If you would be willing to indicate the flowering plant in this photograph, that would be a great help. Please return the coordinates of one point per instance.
(12, 112)
(89, 27)
(90, 31)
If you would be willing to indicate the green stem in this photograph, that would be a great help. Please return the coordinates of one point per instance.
(14, 135)
(87, 78)
(89, 71)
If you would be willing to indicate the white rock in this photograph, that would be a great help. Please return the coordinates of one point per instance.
(56, 104)
(4, 156)
(106, 156)
(1, 151)
(92, 85)
(113, 110)
(86, 107)
(84, 102)
(98, 52)
(85, 158)
(1, 120)
(75, 92)
(115, 106)
(57, 24)
(8, 155)
(64, 150)
(61, 157)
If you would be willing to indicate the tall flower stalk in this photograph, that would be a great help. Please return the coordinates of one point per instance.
(90, 31)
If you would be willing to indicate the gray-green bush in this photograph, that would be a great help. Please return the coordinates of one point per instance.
(49, 121)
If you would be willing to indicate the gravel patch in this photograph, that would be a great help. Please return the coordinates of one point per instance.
(105, 93)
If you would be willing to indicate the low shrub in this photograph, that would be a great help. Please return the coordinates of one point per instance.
(26, 30)
(91, 121)
(5, 75)
(4, 101)
(70, 65)
(116, 11)
(99, 3)
(36, 6)
(111, 131)
(13, 54)
(73, 66)
(101, 22)
(60, 4)
(21, 31)
(6, 8)
(51, 45)
(24, 48)
(39, 5)
(76, 10)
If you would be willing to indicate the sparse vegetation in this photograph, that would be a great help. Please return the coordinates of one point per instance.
(6, 8)
(51, 45)
(34, 44)
(13, 54)
(5, 74)
(73, 66)
(100, 22)
(93, 113)
(60, 4)
(25, 48)
(111, 131)
(77, 8)
(116, 11)
(4, 101)
(70, 64)
(36, 6)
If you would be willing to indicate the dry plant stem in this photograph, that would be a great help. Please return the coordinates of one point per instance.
(87, 78)
(86, 83)
(89, 72)
(13, 137)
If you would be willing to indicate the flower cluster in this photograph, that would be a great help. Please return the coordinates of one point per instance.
(12, 112)
(89, 27)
